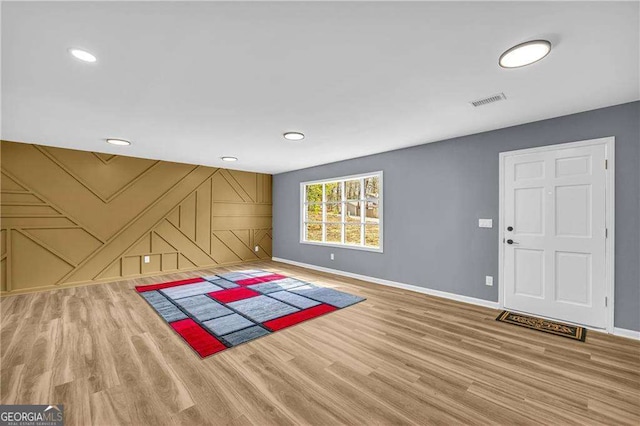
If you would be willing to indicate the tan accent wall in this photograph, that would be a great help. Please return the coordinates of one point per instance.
(72, 217)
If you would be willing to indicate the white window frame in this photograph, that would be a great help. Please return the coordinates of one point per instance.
(342, 179)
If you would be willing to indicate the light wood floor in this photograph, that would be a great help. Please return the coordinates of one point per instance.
(397, 358)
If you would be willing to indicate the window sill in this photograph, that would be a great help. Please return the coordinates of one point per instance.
(343, 246)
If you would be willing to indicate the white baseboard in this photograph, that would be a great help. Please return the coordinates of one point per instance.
(623, 332)
(417, 289)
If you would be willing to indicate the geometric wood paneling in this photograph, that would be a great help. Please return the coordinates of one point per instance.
(32, 263)
(71, 217)
(82, 245)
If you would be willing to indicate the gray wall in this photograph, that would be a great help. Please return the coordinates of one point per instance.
(435, 193)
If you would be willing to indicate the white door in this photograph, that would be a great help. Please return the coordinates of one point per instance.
(554, 228)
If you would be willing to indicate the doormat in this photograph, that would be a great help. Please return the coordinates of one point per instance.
(559, 329)
(218, 312)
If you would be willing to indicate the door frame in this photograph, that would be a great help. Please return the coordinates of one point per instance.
(609, 143)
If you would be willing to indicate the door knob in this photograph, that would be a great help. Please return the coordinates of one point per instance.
(511, 242)
(509, 228)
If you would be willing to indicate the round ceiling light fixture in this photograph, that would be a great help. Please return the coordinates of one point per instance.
(229, 159)
(525, 54)
(82, 55)
(119, 142)
(293, 136)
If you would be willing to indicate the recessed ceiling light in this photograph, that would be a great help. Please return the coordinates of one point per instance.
(229, 159)
(293, 136)
(83, 55)
(525, 54)
(120, 142)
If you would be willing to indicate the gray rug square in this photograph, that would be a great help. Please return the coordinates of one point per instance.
(234, 276)
(250, 271)
(262, 308)
(290, 283)
(245, 335)
(261, 274)
(223, 283)
(202, 307)
(163, 306)
(227, 324)
(278, 285)
(190, 290)
(211, 277)
(327, 295)
(226, 284)
(294, 299)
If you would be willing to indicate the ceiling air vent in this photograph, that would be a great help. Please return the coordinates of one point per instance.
(489, 100)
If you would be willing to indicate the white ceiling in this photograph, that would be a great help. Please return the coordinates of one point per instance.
(191, 82)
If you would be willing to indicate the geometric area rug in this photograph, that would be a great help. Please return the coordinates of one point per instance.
(217, 312)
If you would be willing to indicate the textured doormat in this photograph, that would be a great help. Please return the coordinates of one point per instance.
(217, 312)
(546, 326)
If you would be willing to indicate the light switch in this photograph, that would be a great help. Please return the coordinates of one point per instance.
(256, 249)
(147, 259)
(488, 280)
(485, 223)
(332, 257)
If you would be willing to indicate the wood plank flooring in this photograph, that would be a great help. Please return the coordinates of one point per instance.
(397, 358)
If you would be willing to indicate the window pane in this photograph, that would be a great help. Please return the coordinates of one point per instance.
(314, 232)
(334, 233)
(334, 213)
(352, 189)
(314, 193)
(333, 191)
(352, 213)
(352, 234)
(344, 212)
(372, 187)
(372, 235)
(372, 212)
(314, 213)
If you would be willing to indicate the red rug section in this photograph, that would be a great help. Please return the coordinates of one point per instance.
(265, 279)
(249, 281)
(143, 288)
(272, 277)
(201, 341)
(233, 294)
(298, 317)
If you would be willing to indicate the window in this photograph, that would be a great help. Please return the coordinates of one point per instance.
(345, 212)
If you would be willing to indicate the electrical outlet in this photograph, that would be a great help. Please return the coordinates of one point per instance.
(256, 249)
(147, 259)
(488, 280)
(485, 223)
(332, 256)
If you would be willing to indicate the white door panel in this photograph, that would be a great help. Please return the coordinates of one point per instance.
(556, 264)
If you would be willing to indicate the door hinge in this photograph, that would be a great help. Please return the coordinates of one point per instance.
(606, 232)
(606, 164)
(606, 301)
